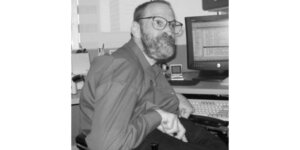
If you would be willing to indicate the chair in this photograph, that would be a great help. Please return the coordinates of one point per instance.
(80, 142)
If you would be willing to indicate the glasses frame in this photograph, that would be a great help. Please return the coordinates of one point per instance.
(167, 23)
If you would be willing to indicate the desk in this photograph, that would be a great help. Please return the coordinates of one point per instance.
(203, 87)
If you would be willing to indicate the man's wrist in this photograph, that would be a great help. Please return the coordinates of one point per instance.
(153, 118)
(159, 111)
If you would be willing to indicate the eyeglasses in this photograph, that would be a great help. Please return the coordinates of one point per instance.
(160, 23)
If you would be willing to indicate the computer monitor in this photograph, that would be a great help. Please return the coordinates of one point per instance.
(208, 45)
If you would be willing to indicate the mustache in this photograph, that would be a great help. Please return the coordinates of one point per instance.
(168, 38)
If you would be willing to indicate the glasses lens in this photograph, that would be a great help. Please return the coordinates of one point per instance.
(176, 26)
(159, 23)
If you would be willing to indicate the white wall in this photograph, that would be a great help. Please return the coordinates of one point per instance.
(75, 37)
(96, 24)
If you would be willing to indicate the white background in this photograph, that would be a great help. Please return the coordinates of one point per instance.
(36, 65)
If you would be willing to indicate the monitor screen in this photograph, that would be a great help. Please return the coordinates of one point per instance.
(208, 44)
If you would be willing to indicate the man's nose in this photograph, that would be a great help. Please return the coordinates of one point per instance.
(169, 30)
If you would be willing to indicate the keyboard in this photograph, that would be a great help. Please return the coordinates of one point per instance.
(211, 108)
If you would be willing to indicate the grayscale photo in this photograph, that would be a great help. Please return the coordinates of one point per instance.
(150, 75)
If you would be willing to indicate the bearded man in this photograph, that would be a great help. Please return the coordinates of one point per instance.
(126, 102)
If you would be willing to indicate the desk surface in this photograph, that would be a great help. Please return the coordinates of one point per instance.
(204, 87)
(213, 87)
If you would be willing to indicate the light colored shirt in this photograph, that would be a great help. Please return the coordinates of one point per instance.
(119, 98)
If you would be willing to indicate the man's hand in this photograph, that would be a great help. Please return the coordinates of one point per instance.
(171, 125)
(185, 107)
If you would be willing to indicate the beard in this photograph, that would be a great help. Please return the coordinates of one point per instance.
(160, 48)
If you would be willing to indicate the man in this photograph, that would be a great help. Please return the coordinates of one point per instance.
(126, 103)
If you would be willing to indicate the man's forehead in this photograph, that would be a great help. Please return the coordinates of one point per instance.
(159, 9)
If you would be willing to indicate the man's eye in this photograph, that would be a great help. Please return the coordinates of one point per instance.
(159, 22)
(173, 24)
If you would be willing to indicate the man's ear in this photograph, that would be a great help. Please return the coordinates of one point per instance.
(136, 30)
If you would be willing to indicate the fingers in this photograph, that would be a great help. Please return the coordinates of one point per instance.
(181, 133)
(184, 139)
(161, 129)
(178, 130)
(185, 113)
(193, 109)
(171, 127)
(185, 108)
(182, 113)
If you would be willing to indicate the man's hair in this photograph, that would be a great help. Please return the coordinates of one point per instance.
(140, 10)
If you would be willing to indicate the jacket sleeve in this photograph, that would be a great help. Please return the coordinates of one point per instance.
(113, 127)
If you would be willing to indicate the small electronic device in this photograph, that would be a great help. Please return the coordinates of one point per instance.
(176, 72)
